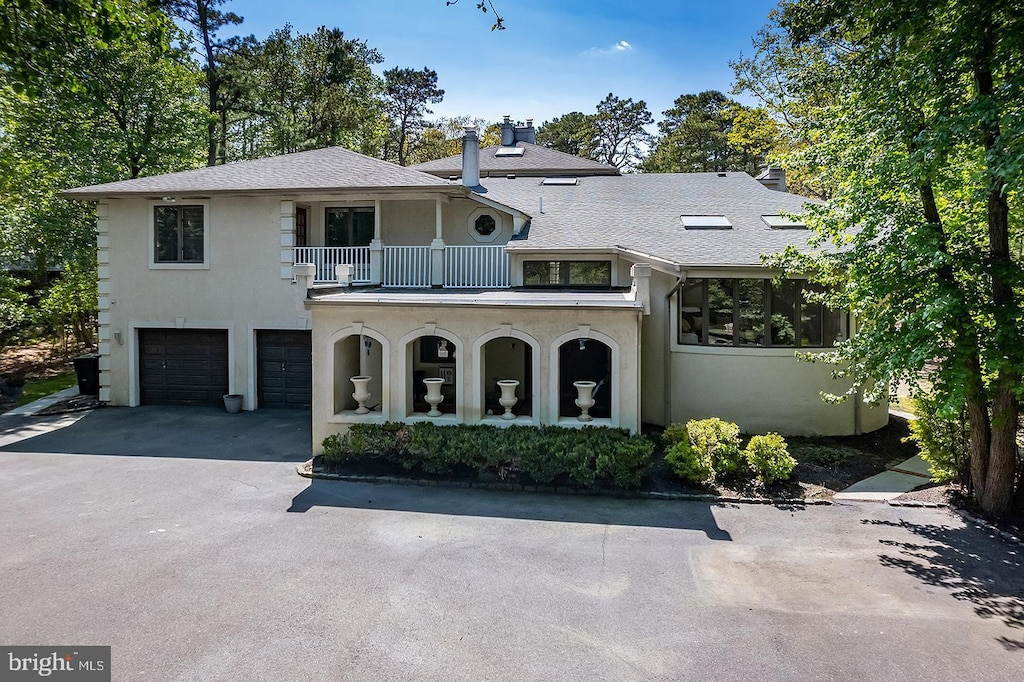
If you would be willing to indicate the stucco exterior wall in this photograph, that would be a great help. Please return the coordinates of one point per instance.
(468, 328)
(764, 390)
(240, 289)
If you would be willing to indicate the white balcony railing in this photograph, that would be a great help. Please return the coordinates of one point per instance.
(325, 258)
(483, 267)
(406, 266)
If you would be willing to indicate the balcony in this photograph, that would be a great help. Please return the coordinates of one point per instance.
(468, 267)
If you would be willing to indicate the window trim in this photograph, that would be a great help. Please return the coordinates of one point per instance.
(499, 225)
(153, 263)
(844, 319)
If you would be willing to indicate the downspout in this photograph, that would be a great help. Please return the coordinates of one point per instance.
(680, 280)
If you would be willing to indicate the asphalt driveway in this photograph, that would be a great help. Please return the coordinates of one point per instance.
(207, 558)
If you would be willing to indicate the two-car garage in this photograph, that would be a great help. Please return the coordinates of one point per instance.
(190, 367)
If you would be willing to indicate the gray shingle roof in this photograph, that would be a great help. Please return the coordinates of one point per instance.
(535, 161)
(642, 213)
(319, 169)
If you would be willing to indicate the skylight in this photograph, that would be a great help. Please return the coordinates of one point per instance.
(510, 151)
(781, 222)
(560, 181)
(705, 222)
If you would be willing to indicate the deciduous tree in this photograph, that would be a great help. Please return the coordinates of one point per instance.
(919, 141)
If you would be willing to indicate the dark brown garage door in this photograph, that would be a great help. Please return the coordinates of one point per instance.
(284, 373)
(183, 366)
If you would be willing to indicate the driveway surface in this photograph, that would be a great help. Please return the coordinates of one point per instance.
(185, 541)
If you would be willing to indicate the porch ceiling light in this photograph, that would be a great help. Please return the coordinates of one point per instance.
(583, 344)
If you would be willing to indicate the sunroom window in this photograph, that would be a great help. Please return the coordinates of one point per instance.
(578, 273)
(756, 312)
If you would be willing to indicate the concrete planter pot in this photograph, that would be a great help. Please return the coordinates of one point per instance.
(585, 398)
(508, 398)
(434, 396)
(362, 393)
(233, 403)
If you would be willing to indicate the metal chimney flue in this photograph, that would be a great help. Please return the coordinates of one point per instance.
(470, 157)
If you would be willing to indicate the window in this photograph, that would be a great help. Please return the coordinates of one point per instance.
(485, 225)
(349, 226)
(756, 312)
(301, 230)
(574, 273)
(179, 234)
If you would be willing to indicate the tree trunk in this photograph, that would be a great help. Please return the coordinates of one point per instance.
(997, 498)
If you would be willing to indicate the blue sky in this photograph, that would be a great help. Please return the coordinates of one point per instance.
(555, 56)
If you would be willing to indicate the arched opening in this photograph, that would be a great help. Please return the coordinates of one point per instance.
(585, 360)
(431, 357)
(358, 355)
(507, 357)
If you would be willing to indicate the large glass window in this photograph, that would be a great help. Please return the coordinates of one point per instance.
(349, 226)
(581, 273)
(756, 312)
(179, 234)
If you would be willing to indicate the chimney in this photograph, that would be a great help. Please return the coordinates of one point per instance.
(508, 133)
(470, 158)
(773, 178)
(526, 133)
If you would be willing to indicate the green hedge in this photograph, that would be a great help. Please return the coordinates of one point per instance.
(589, 457)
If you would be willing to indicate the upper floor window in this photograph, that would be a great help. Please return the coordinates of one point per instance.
(484, 225)
(585, 273)
(179, 234)
(756, 312)
(351, 226)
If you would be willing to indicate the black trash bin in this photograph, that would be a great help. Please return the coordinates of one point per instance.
(87, 368)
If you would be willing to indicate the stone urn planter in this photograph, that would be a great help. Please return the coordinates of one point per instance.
(508, 397)
(233, 403)
(434, 396)
(362, 393)
(585, 398)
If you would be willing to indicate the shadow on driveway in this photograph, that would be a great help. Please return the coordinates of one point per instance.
(989, 576)
(509, 505)
(164, 431)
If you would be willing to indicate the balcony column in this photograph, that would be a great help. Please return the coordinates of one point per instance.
(437, 248)
(376, 261)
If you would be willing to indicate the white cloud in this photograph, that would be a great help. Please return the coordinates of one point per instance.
(617, 48)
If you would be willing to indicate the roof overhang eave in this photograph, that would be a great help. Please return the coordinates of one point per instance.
(84, 195)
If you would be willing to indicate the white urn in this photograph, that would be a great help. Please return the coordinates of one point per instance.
(434, 396)
(362, 393)
(585, 398)
(508, 397)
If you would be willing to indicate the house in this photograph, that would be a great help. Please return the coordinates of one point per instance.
(284, 278)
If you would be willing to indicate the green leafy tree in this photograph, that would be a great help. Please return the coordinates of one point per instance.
(919, 142)
(698, 134)
(574, 133)
(615, 134)
(621, 136)
(407, 92)
(443, 137)
(208, 19)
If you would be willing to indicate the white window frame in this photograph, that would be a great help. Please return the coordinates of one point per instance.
(154, 264)
(499, 225)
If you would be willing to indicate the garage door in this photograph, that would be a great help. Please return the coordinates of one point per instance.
(183, 366)
(284, 368)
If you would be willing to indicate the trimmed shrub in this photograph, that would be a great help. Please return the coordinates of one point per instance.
(587, 457)
(768, 458)
(943, 439)
(710, 449)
